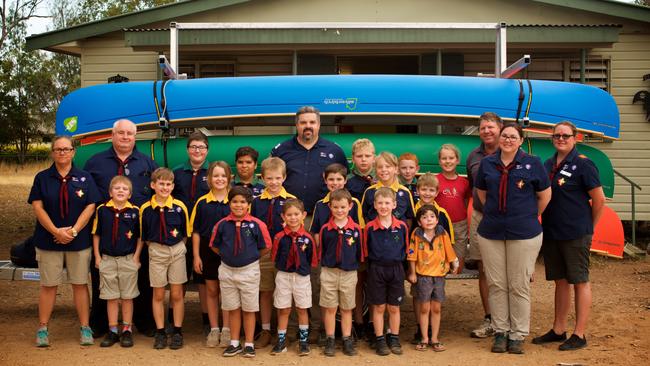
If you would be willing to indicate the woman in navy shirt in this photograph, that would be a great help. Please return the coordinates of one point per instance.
(63, 198)
(568, 223)
(514, 189)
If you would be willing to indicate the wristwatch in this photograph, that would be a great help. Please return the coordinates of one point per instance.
(74, 232)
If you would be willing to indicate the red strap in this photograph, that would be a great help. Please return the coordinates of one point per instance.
(63, 196)
(339, 246)
(121, 166)
(116, 222)
(503, 185)
(294, 257)
(269, 215)
(163, 226)
(193, 187)
(238, 246)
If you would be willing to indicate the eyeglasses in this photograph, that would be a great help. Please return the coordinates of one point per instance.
(509, 137)
(64, 150)
(197, 148)
(561, 136)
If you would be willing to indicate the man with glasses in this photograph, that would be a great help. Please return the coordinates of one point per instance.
(122, 158)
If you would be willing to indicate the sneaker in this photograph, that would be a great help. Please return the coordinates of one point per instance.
(516, 347)
(224, 342)
(303, 349)
(483, 331)
(42, 338)
(212, 340)
(330, 347)
(176, 342)
(86, 336)
(280, 347)
(160, 340)
(573, 343)
(110, 339)
(381, 348)
(232, 351)
(348, 347)
(263, 339)
(126, 340)
(248, 352)
(549, 337)
(500, 344)
(393, 344)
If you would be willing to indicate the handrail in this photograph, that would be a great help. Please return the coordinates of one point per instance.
(633, 186)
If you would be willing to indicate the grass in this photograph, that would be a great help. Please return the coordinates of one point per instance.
(15, 174)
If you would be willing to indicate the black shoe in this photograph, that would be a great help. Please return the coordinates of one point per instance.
(393, 344)
(330, 347)
(160, 341)
(359, 331)
(549, 337)
(126, 340)
(303, 349)
(500, 344)
(516, 347)
(248, 352)
(177, 341)
(232, 351)
(110, 339)
(348, 347)
(381, 348)
(573, 343)
(280, 347)
(417, 337)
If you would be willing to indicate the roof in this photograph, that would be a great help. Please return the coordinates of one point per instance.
(183, 8)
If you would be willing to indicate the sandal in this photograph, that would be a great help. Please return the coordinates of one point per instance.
(421, 346)
(438, 347)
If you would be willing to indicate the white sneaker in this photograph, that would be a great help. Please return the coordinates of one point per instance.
(224, 342)
(212, 340)
(483, 331)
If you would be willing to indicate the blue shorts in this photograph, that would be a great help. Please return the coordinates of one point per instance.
(385, 284)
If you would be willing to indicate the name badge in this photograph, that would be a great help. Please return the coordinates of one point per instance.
(565, 173)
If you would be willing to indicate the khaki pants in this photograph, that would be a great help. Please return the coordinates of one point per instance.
(509, 265)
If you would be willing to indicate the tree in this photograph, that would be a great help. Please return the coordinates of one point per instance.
(13, 15)
(642, 2)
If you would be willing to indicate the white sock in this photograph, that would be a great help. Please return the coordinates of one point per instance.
(249, 345)
(216, 328)
(234, 342)
(266, 326)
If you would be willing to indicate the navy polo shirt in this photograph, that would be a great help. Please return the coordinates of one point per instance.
(138, 167)
(519, 221)
(175, 228)
(386, 245)
(412, 187)
(183, 176)
(125, 239)
(305, 250)
(261, 205)
(472, 163)
(568, 215)
(305, 167)
(322, 214)
(256, 186)
(81, 192)
(356, 183)
(352, 248)
(253, 237)
(206, 213)
(404, 209)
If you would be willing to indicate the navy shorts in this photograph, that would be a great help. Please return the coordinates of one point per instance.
(567, 259)
(429, 288)
(385, 284)
(211, 261)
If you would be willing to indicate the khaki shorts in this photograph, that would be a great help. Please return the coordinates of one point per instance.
(291, 285)
(267, 273)
(460, 235)
(240, 287)
(474, 251)
(167, 264)
(337, 288)
(51, 262)
(118, 278)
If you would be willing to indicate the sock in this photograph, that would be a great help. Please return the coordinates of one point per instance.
(345, 338)
(380, 339)
(215, 328)
(160, 331)
(249, 345)
(126, 327)
(304, 332)
(282, 335)
(170, 316)
(178, 330)
(225, 329)
(206, 319)
(266, 327)
(488, 316)
(113, 328)
(234, 342)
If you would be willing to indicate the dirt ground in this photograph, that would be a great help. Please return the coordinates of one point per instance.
(619, 331)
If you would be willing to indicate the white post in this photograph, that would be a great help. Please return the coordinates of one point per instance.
(501, 59)
(173, 45)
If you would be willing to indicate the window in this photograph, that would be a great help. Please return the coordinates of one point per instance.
(207, 69)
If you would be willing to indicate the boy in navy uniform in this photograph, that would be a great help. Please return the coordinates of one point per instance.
(363, 171)
(409, 166)
(294, 253)
(246, 164)
(340, 251)
(386, 238)
(117, 247)
(165, 227)
(240, 239)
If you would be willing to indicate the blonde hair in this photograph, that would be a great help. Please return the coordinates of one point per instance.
(162, 174)
(451, 147)
(274, 163)
(363, 144)
(121, 179)
(385, 192)
(428, 180)
(223, 165)
(387, 157)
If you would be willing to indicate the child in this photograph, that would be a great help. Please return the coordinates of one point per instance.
(409, 166)
(430, 256)
(294, 252)
(246, 164)
(363, 174)
(164, 224)
(209, 209)
(117, 248)
(268, 208)
(240, 239)
(340, 252)
(387, 165)
(386, 238)
(454, 194)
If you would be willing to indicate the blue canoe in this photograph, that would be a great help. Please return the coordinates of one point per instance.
(93, 110)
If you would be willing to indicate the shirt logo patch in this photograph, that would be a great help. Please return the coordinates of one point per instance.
(80, 193)
(527, 166)
(83, 179)
(303, 247)
(178, 209)
(129, 234)
(561, 182)
(331, 156)
(356, 234)
(400, 193)
(323, 155)
(573, 167)
(518, 166)
(174, 232)
(565, 173)
(411, 251)
(127, 171)
(520, 184)
(350, 241)
(75, 179)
